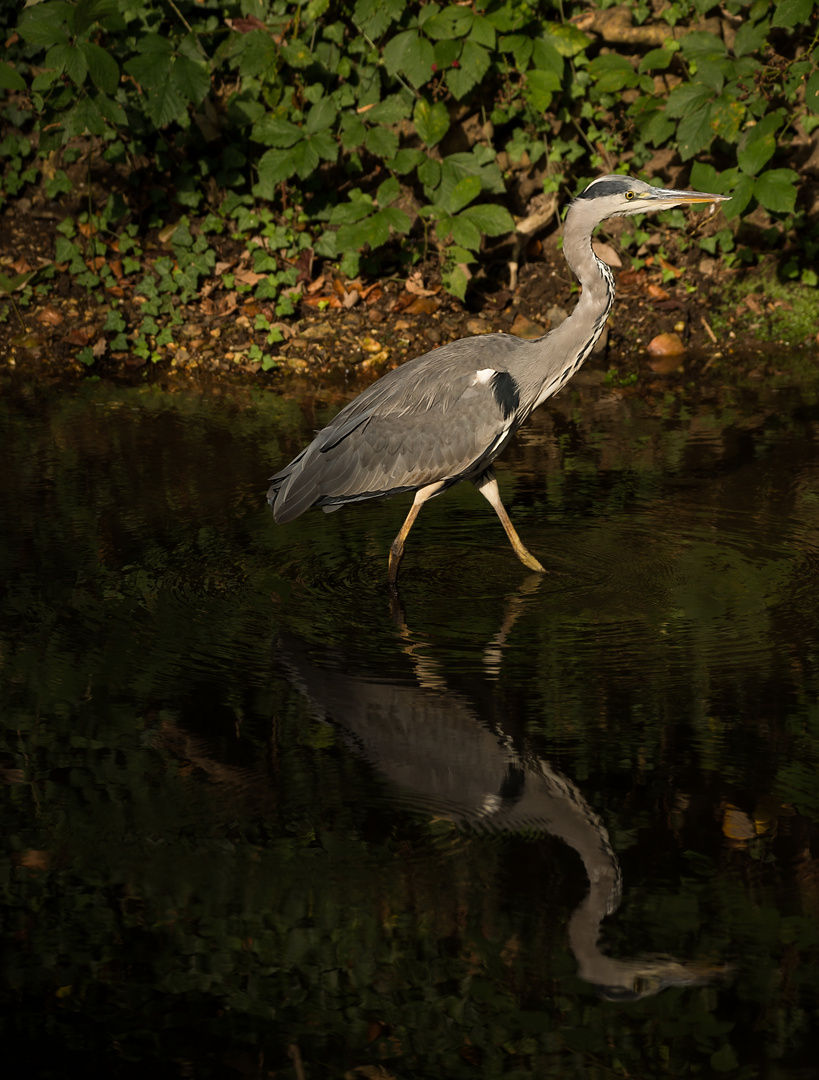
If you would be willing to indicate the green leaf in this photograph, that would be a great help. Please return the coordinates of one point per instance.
(155, 44)
(776, 190)
(473, 65)
(741, 194)
(655, 60)
(463, 193)
(699, 43)
(521, 48)
(447, 52)
(465, 233)
(491, 219)
(381, 142)
(165, 104)
(274, 131)
(373, 231)
(348, 213)
(353, 131)
(694, 133)
(84, 117)
(68, 58)
(652, 121)
(452, 22)
(405, 161)
(321, 117)
(392, 110)
(482, 32)
(374, 16)
(456, 282)
(46, 24)
(791, 12)
(758, 145)
(102, 67)
(412, 54)
(191, 78)
(727, 115)
(612, 73)
(566, 38)
(111, 110)
(685, 99)
(431, 121)
(324, 145)
(297, 55)
(10, 79)
(149, 69)
(429, 173)
(539, 88)
(546, 58)
(399, 220)
(705, 178)
(387, 192)
(88, 12)
(751, 38)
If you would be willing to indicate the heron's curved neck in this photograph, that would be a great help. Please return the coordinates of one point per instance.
(564, 349)
(595, 277)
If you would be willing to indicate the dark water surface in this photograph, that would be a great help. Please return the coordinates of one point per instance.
(258, 821)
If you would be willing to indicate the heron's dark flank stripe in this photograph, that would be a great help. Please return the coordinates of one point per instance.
(507, 393)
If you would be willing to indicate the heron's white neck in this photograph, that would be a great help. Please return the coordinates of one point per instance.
(568, 345)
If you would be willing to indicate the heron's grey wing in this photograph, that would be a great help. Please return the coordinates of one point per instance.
(436, 425)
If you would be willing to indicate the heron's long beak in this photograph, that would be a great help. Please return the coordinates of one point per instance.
(665, 198)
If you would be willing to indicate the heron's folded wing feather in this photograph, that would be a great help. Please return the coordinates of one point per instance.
(390, 447)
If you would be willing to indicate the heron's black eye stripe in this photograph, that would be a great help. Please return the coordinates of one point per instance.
(601, 188)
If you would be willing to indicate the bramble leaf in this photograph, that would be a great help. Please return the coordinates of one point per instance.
(776, 190)
(431, 121)
(102, 67)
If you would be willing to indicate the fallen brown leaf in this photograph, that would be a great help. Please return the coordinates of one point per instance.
(80, 335)
(50, 316)
(423, 305)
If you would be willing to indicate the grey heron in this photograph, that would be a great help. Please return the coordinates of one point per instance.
(445, 416)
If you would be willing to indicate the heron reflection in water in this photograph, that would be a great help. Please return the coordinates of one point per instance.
(447, 415)
(430, 743)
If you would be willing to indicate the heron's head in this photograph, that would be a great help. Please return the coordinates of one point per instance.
(622, 196)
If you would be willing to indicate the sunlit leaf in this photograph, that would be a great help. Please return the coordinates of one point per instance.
(411, 54)
(776, 190)
(491, 219)
(453, 22)
(792, 12)
(463, 193)
(431, 121)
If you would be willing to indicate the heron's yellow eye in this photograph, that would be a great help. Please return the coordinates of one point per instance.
(629, 194)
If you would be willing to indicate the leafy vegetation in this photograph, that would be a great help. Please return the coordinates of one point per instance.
(372, 135)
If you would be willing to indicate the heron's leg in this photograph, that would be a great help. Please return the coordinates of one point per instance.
(397, 548)
(488, 487)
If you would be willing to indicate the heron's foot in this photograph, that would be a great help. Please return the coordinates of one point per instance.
(396, 555)
(528, 559)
